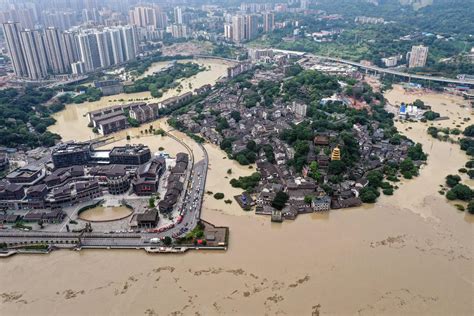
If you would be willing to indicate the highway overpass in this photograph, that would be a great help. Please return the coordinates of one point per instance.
(384, 70)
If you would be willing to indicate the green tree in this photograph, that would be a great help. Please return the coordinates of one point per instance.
(313, 171)
(462, 192)
(470, 207)
(470, 172)
(469, 131)
(280, 200)
(416, 152)
(235, 115)
(420, 104)
(430, 115)
(368, 195)
(452, 180)
(151, 202)
(219, 196)
(375, 178)
(167, 241)
(251, 145)
(336, 167)
(451, 195)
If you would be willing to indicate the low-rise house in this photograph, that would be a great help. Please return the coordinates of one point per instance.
(4, 162)
(148, 176)
(346, 203)
(109, 87)
(148, 219)
(290, 212)
(11, 191)
(322, 203)
(130, 155)
(265, 197)
(321, 140)
(62, 175)
(33, 217)
(264, 210)
(144, 112)
(277, 216)
(28, 175)
(54, 217)
(36, 195)
(112, 125)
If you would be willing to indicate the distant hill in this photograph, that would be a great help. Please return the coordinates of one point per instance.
(415, 4)
(443, 16)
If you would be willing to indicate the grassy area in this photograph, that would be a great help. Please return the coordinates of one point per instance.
(21, 225)
(36, 247)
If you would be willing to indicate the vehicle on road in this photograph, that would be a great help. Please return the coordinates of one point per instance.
(154, 240)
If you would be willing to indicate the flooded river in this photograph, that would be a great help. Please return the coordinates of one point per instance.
(411, 253)
(71, 123)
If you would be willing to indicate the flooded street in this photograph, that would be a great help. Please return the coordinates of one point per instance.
(411, 253)
(218, 181)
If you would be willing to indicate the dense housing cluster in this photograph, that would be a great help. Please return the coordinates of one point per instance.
(319, 141)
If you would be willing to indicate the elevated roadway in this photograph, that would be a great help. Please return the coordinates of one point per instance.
(463, 82)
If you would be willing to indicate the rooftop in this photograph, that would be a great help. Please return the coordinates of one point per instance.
(129, 150)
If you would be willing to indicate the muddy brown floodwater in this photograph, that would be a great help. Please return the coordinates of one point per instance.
(71, 123)
(105, 213)
(411, 253)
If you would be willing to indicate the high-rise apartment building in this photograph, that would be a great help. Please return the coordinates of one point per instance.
(304, 4)
(143, 16)
(418, 56)
(268, 21)
(243, 27)
(91, 15)
(104, 46)
(25, 16)
(35, 54)
(129, 42)
(251, 26)
(71, 48)
(11, 31)
(117, 46)
(56, 51)
(61, 20)
(228, 31)
(178, 15)
(238, 28)
(89, 50)
(161, 20)
(78, 68)
(107, 47)
(179, 31)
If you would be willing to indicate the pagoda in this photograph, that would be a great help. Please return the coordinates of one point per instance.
(336, 153)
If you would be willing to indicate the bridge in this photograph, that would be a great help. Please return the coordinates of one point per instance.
(376, 69)
(216, 57)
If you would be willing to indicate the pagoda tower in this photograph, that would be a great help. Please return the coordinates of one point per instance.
(336, 153)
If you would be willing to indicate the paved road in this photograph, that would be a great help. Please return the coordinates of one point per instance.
(383, 70)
